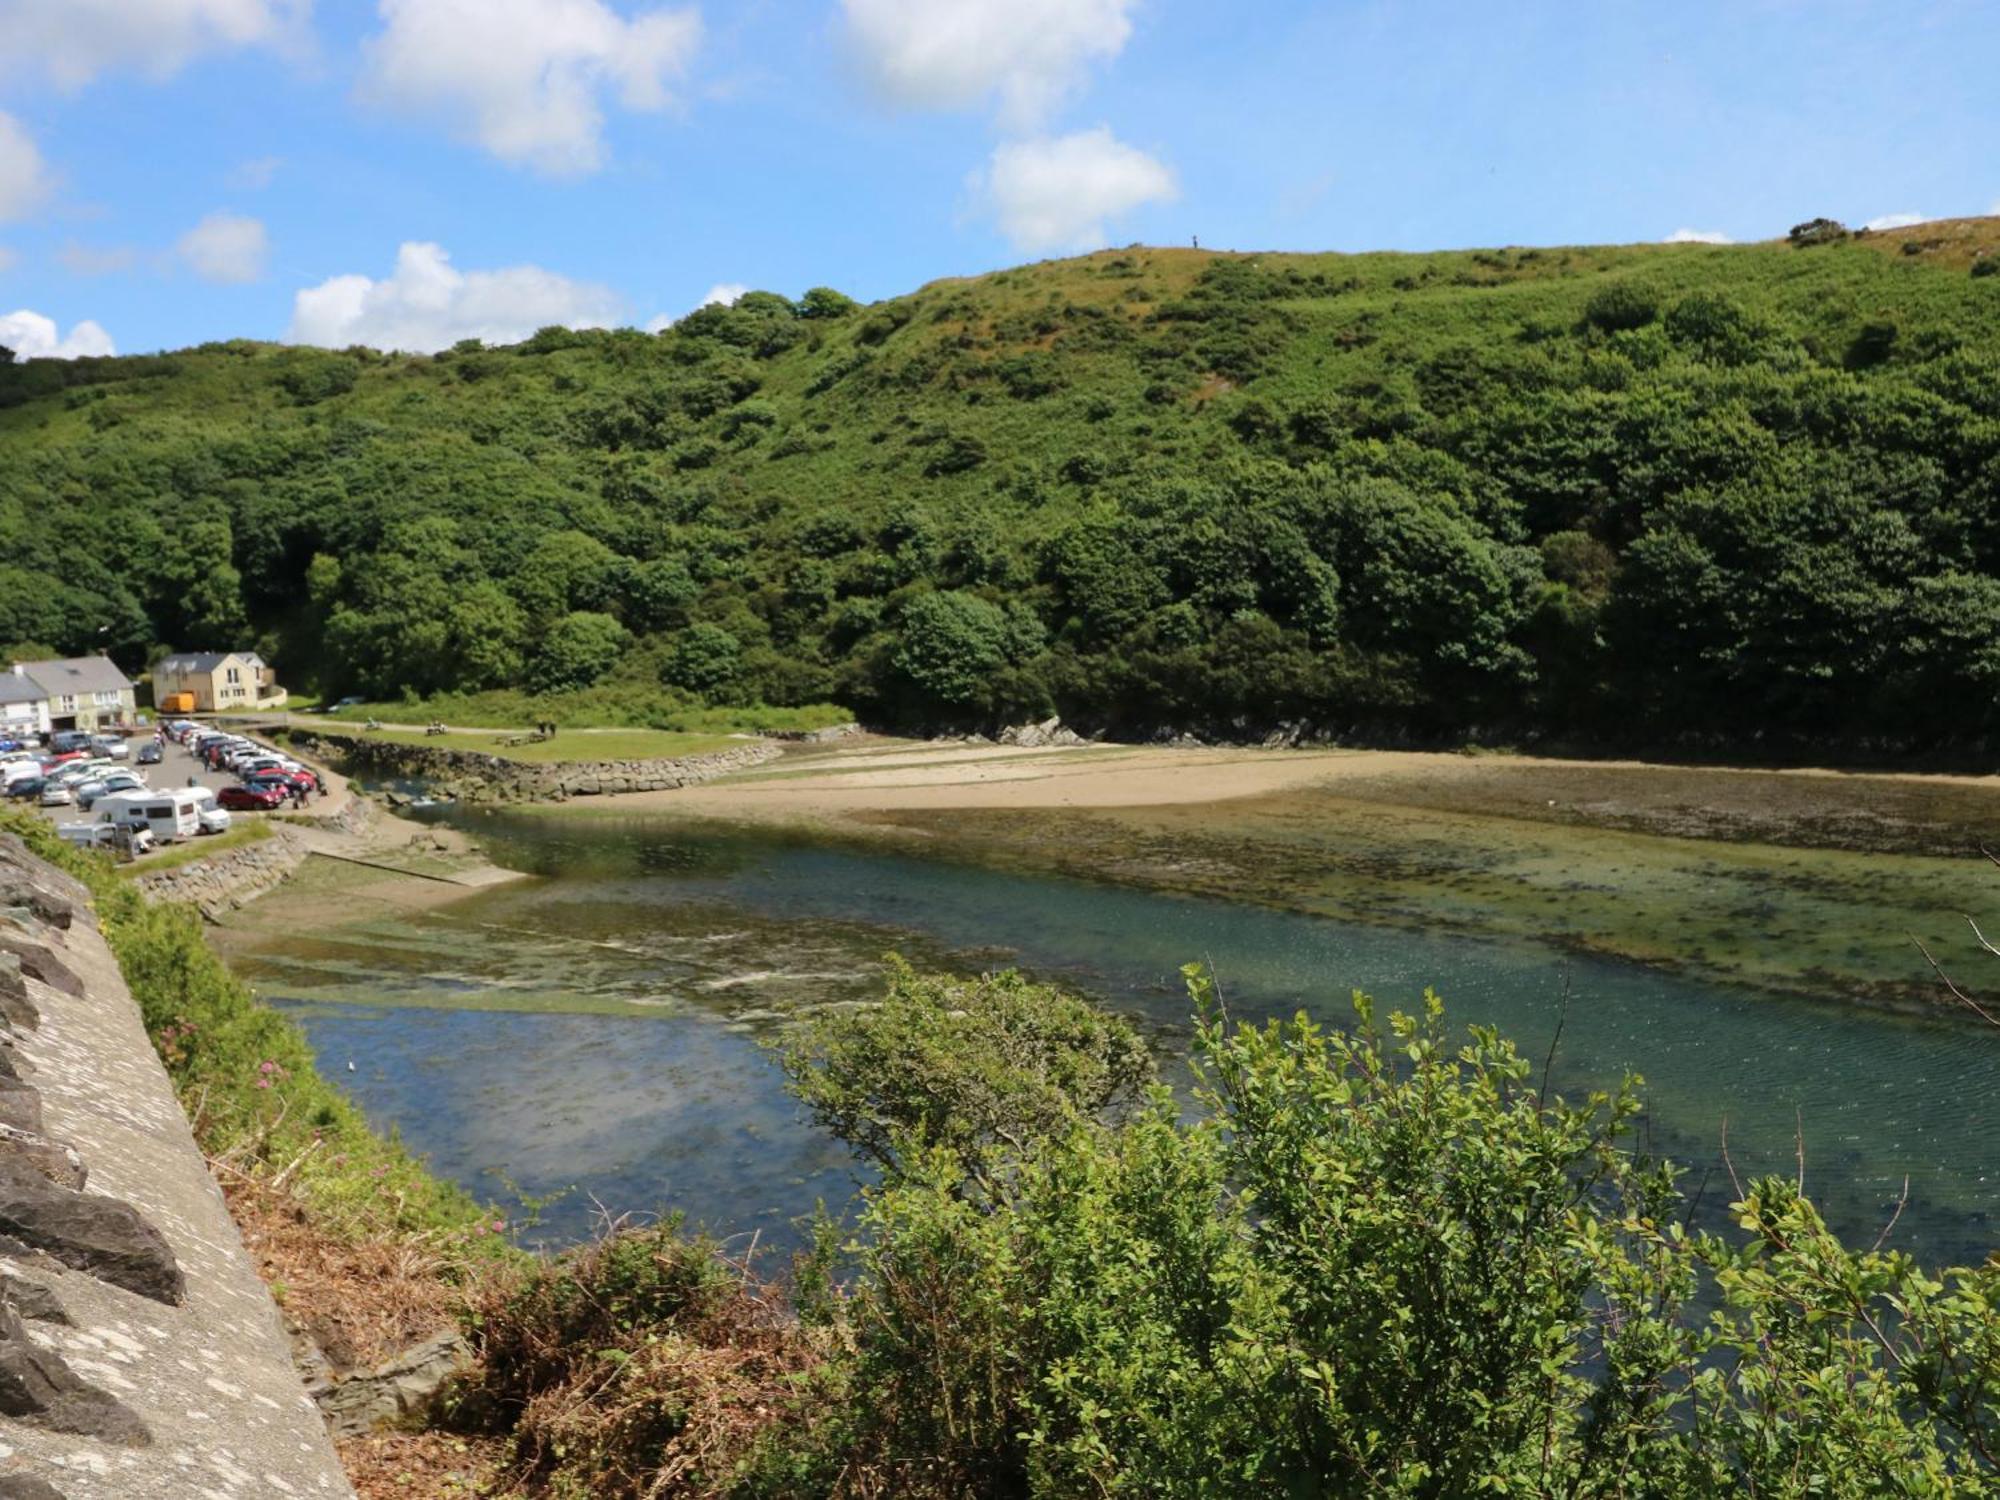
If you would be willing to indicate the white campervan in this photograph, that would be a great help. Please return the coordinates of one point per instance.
(172, 815)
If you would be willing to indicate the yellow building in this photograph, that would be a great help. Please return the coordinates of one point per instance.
(208, 682)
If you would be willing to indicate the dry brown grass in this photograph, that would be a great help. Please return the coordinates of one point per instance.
(422, 1466)
(638, 1367)
(361, 1300)
(1942, 242)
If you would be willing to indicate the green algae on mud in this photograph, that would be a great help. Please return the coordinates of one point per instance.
(1825, 923)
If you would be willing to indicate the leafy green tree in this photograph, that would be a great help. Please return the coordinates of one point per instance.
(576, 651)
(823, 302)
(704, 658)
(950, 644)
(979, 1070)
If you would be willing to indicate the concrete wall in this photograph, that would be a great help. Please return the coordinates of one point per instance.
(140, 1355)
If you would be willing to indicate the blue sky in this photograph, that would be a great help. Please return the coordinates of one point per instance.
(406, 172)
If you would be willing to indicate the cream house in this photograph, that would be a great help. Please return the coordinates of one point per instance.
(81, 692)
(215, 682)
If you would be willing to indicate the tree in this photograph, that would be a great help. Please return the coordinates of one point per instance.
(975, 1068)
(577, 650)
(825, 303)
(950, 643)
(704, 658)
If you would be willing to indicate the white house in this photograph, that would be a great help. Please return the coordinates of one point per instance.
(24, 705)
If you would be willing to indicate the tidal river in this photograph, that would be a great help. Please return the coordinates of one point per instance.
(594, 1033)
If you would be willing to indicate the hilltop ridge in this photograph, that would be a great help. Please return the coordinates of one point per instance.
(1586, 492)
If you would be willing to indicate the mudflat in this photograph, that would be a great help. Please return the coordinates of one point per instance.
(1811, 882)
(1813, 809)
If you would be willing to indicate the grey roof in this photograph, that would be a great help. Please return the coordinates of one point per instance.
(79, 674)
(20, 688)
(205, 661)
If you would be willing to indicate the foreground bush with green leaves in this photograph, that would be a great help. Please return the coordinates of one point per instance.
(1367, 1262)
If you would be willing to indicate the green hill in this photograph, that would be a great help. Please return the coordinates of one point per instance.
(1653, 493)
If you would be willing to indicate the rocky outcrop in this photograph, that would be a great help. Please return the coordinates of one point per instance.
(473, 776)
(1036, 736)
(140, 1355)
(231, 878)
(399, 1392)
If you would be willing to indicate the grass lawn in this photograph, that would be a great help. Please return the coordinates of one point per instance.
(569, 744)
(244, 828)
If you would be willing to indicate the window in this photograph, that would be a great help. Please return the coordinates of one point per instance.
(235, 675)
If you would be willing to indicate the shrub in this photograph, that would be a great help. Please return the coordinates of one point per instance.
(1621, 307)
(1817, 232)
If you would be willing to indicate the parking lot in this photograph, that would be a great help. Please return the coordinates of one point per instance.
(177, 767)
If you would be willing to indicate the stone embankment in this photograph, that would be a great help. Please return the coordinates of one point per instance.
(224, 881)
(140, 1355)
(473, 776)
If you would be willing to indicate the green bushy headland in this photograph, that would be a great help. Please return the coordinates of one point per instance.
(1669, 495)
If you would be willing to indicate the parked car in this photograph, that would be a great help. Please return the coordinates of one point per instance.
(250, 798)
(116, 836)
(56, 795)
(214, 819)
(111, 746)
(24, 789)
(118, 781)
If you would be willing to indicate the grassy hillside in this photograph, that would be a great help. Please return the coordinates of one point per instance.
(1605, 493)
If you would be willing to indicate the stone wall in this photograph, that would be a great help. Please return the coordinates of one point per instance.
(474, 776)
(140, 1355)
(233, 877)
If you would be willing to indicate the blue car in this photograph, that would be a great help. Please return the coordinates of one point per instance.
(27, 786)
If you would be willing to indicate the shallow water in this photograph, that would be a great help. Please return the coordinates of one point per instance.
(597, 1030)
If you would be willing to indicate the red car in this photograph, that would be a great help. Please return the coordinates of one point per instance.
(250, 798)
(284, 780)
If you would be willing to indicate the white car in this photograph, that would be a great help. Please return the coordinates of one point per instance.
(55, 794)
(108, 836)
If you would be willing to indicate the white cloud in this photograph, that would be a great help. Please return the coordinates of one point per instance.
(955, 54)
(1698, 237)
(429, 304)
(24, 181)
(1056, 193)
(32, 336)
(75, 40)
(525, 79)
(97, 260)
(226, 248)
(255, 175)
(1897, 221)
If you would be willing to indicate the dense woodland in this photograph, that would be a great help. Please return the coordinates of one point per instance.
(1679, 493)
